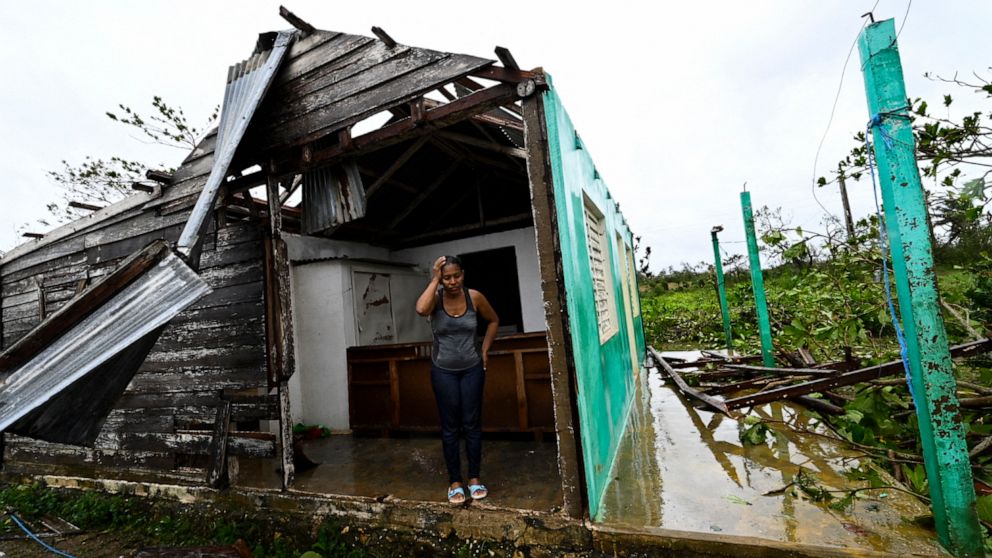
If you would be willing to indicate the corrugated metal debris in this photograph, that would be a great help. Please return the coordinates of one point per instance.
(109, 343)
(332, 196)
(247, 83)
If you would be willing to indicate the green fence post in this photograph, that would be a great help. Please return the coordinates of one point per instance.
(757, 282)
(721, 290)
(931, 368)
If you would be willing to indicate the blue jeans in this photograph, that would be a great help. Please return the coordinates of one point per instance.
(459, 403)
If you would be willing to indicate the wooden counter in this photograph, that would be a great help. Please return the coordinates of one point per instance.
(389, 387)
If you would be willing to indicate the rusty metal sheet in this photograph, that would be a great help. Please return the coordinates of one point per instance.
(332, 196)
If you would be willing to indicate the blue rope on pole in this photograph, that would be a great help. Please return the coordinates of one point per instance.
(37, 540)
(876, 122)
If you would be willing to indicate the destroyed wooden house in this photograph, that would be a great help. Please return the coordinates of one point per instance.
(342, 166)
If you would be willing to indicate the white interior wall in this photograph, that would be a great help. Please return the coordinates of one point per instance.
(324, 308)
(322, 331)
(528, 272)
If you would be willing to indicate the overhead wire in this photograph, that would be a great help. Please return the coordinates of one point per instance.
(833, 111)
(904, 16)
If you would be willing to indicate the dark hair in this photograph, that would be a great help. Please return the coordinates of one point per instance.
(452, 260)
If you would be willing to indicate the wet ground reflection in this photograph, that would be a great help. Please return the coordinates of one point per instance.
(685, 469)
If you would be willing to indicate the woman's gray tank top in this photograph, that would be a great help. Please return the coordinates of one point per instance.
(455, 345)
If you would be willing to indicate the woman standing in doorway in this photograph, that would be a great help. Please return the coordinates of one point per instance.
(458, 370)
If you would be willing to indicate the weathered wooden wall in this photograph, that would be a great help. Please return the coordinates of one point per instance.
(214, 350)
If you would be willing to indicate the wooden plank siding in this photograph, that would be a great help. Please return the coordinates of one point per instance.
(213, 351)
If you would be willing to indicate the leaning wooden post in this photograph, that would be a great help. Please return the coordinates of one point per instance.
(757, 283)
(721, 290)
(931, 368)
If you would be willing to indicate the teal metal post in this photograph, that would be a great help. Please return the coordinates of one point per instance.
(931, 368)
(721, 290)
(757, 282)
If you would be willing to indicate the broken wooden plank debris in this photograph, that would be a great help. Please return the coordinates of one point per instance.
(776, 384)
(709, 401)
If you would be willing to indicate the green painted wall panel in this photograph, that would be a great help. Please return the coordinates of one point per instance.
(604, 370)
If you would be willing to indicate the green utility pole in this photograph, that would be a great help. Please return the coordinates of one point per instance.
(721, 290)
(945, 453)
(757, 282)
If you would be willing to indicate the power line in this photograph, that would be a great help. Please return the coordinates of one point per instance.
(833, 110)
(904, 16)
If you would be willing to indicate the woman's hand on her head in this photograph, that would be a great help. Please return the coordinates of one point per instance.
(438, 264)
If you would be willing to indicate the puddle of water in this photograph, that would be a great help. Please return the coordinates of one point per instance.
(686, 469)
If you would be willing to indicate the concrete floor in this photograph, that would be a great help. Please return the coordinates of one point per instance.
(684, 469)
(520, 474)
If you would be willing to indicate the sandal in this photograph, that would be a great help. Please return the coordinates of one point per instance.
(478, 491)
(456, 495)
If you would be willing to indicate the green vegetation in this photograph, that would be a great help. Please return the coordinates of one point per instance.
(137, 522)
(827, 294)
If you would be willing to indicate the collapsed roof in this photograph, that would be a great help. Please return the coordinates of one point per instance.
(446, 161)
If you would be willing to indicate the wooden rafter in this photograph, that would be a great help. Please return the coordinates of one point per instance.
(296, 21)
(473, 158)
(518, 218)
(472, 85)
(246, 182)
(483, 144)
(85, 206)
(507, 59)
(434, 118)
(506, 75)
(424, 194)
(399, 162)
(374, 174)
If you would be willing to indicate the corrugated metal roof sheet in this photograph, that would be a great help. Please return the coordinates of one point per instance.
(247, 83)
(113, 339)
(332, 196)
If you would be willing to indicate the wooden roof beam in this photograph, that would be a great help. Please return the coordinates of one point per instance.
(519, 218)
(159, 176)
(507, 75)
(456, 150)
(384, 37)
(85, 206)
(296, 21)
(246, 182)
(424, 194)
(473, 85)
(507, 59)
(397, 164)
(486, 118)
(374, 174)
(483, 144)
(434, 119)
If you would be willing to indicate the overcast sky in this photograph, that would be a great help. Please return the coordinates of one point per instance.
(678, 103)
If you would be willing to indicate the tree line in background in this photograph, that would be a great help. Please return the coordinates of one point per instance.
(825, 288)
